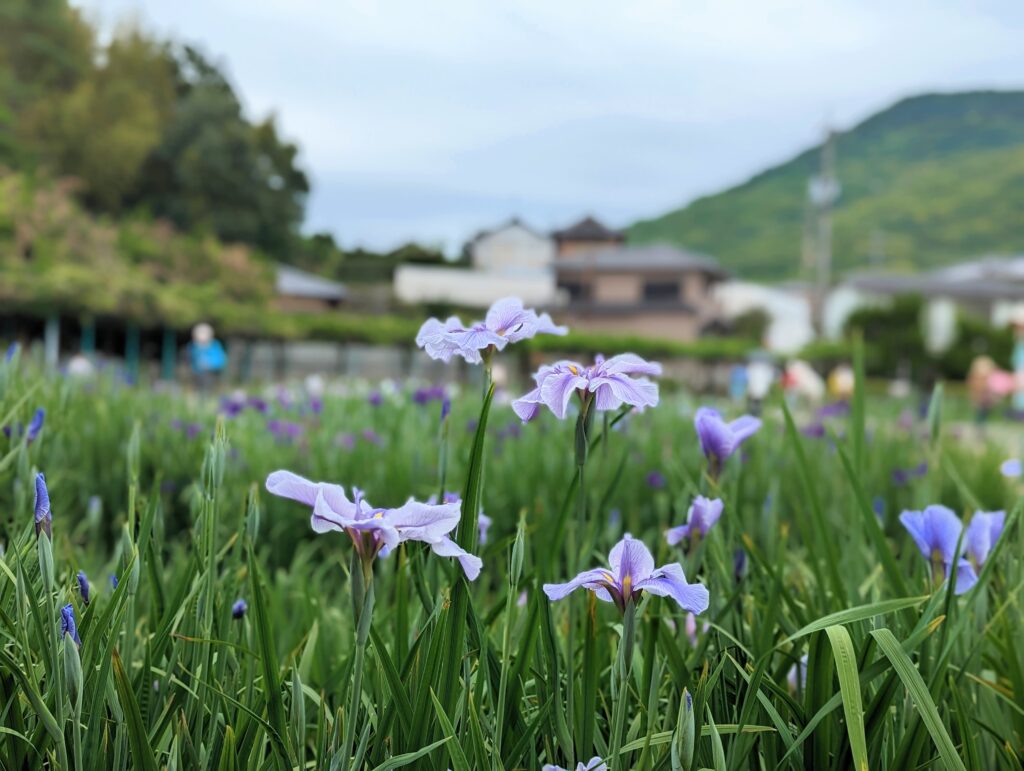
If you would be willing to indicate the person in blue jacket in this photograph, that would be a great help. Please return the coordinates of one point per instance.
(207, 355)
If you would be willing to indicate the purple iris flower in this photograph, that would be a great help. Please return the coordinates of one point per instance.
(231, 407)
(446, 408)
(982, 533)
(611, 383)
(631, 572)
(656, 480)
(11, 350)
(258, 404)
(192, 430)
(506, 322)
(702, 515)
(43, 515)
(239, 608)
(376, 531)
(68, 625)
(316, 404)
(594, 764)
(739, 564)
(36, 424)
(83, 586)
(347, 441)
(113, 581)
(814, 430)
(428, 394)
(936, 531)
(376, 399)
(1011, 468)
(284, 430)
(901, 477)
(371, 436)
(718, 439)
(834, 410)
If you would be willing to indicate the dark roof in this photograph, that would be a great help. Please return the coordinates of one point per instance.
(653, 257)
(989, 278)
(513, 222)
(298, 283)
(588, 229)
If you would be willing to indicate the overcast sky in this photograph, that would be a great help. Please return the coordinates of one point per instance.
(428, 119)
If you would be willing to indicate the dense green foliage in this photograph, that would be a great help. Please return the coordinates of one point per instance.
(894, 342)
(142, 123)
(933, 179)
(155, 488)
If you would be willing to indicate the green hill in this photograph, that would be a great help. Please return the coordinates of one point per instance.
(931, 180)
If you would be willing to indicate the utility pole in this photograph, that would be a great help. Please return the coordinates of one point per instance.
(823, 191)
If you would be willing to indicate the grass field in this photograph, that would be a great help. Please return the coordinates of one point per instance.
(827, 642)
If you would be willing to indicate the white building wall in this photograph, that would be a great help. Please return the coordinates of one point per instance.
(789, 313)
(472, 288)
(513, 249)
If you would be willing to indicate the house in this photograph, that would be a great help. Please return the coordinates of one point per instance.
(509, 260)
(512, 248)
(585, 235)
(299, 291)
(788, 310)
(654, 290)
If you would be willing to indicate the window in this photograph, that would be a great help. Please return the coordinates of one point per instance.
(577, 290)
(661, 291)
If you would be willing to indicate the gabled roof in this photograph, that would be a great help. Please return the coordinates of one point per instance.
(588, 229)
(987, 278)
(298, 283)
(652, 257)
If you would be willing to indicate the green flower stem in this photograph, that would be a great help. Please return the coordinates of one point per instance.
(620, 685)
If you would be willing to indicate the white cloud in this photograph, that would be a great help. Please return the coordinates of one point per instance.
(449, 114)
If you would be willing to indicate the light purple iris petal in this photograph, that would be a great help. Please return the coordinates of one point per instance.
(676, 534)
(630, 558)
(705, 512)
(546, 326)
(483, 525)
(982, 533)
(439, 339)
(470, 563)
(719, 439)
(669, 581)
(590, 579)
(594, 764)
(623, 390)
(744, 427)
(424, 522)
(1011, 468)
(527, 407)
(507, 317)
(631, 364)
(715, 438)
(965, 577)
(289, 485)
(326, 518)
(935, 530)
(558, 388)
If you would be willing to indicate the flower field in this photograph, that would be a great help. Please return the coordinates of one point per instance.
(591, 573)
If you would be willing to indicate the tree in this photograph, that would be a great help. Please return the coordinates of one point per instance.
(213, 169)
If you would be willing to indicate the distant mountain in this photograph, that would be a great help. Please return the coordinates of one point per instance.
(931, 180)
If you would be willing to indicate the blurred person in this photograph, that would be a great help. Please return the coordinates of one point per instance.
(760, 376)
(737, 382)
(841, 382)
(979, 388)
(801, 381)
(207, 356)
(1017, 362)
